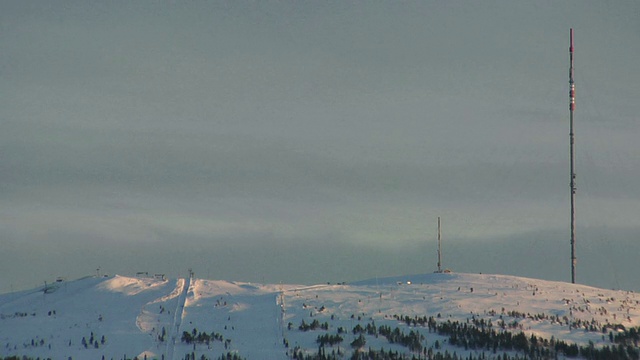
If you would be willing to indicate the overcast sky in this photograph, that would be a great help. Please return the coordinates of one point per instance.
(313, 141)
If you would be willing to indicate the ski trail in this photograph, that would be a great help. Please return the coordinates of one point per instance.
(177, 319)
(155, 321)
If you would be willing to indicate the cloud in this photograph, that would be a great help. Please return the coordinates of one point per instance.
(141, 127)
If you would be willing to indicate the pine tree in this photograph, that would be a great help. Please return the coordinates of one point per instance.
(359, 342)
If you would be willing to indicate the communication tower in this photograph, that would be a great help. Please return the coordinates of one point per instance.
(572, 184)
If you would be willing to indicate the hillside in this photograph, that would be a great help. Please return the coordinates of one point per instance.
(421, 315)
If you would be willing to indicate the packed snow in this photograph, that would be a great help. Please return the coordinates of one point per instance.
(125, 317)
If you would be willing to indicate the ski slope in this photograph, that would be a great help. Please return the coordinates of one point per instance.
(125, 317)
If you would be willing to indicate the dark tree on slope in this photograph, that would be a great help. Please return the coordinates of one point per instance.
(359, 342)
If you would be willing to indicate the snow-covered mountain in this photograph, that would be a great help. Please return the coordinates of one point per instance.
(418, 316)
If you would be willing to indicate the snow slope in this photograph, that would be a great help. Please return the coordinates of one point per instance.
(123, 317)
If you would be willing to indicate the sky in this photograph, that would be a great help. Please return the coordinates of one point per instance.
(317, 141)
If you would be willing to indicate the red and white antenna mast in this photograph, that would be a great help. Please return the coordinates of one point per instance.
(572, 184)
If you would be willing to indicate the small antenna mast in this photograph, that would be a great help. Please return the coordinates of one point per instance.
(572, 184)
(439, 248)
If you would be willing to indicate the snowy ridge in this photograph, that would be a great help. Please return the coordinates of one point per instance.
(123, 317)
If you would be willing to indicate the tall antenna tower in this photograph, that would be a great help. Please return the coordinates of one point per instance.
(439, 248)
(572, 184)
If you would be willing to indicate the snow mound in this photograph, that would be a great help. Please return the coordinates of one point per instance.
(129, 286)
